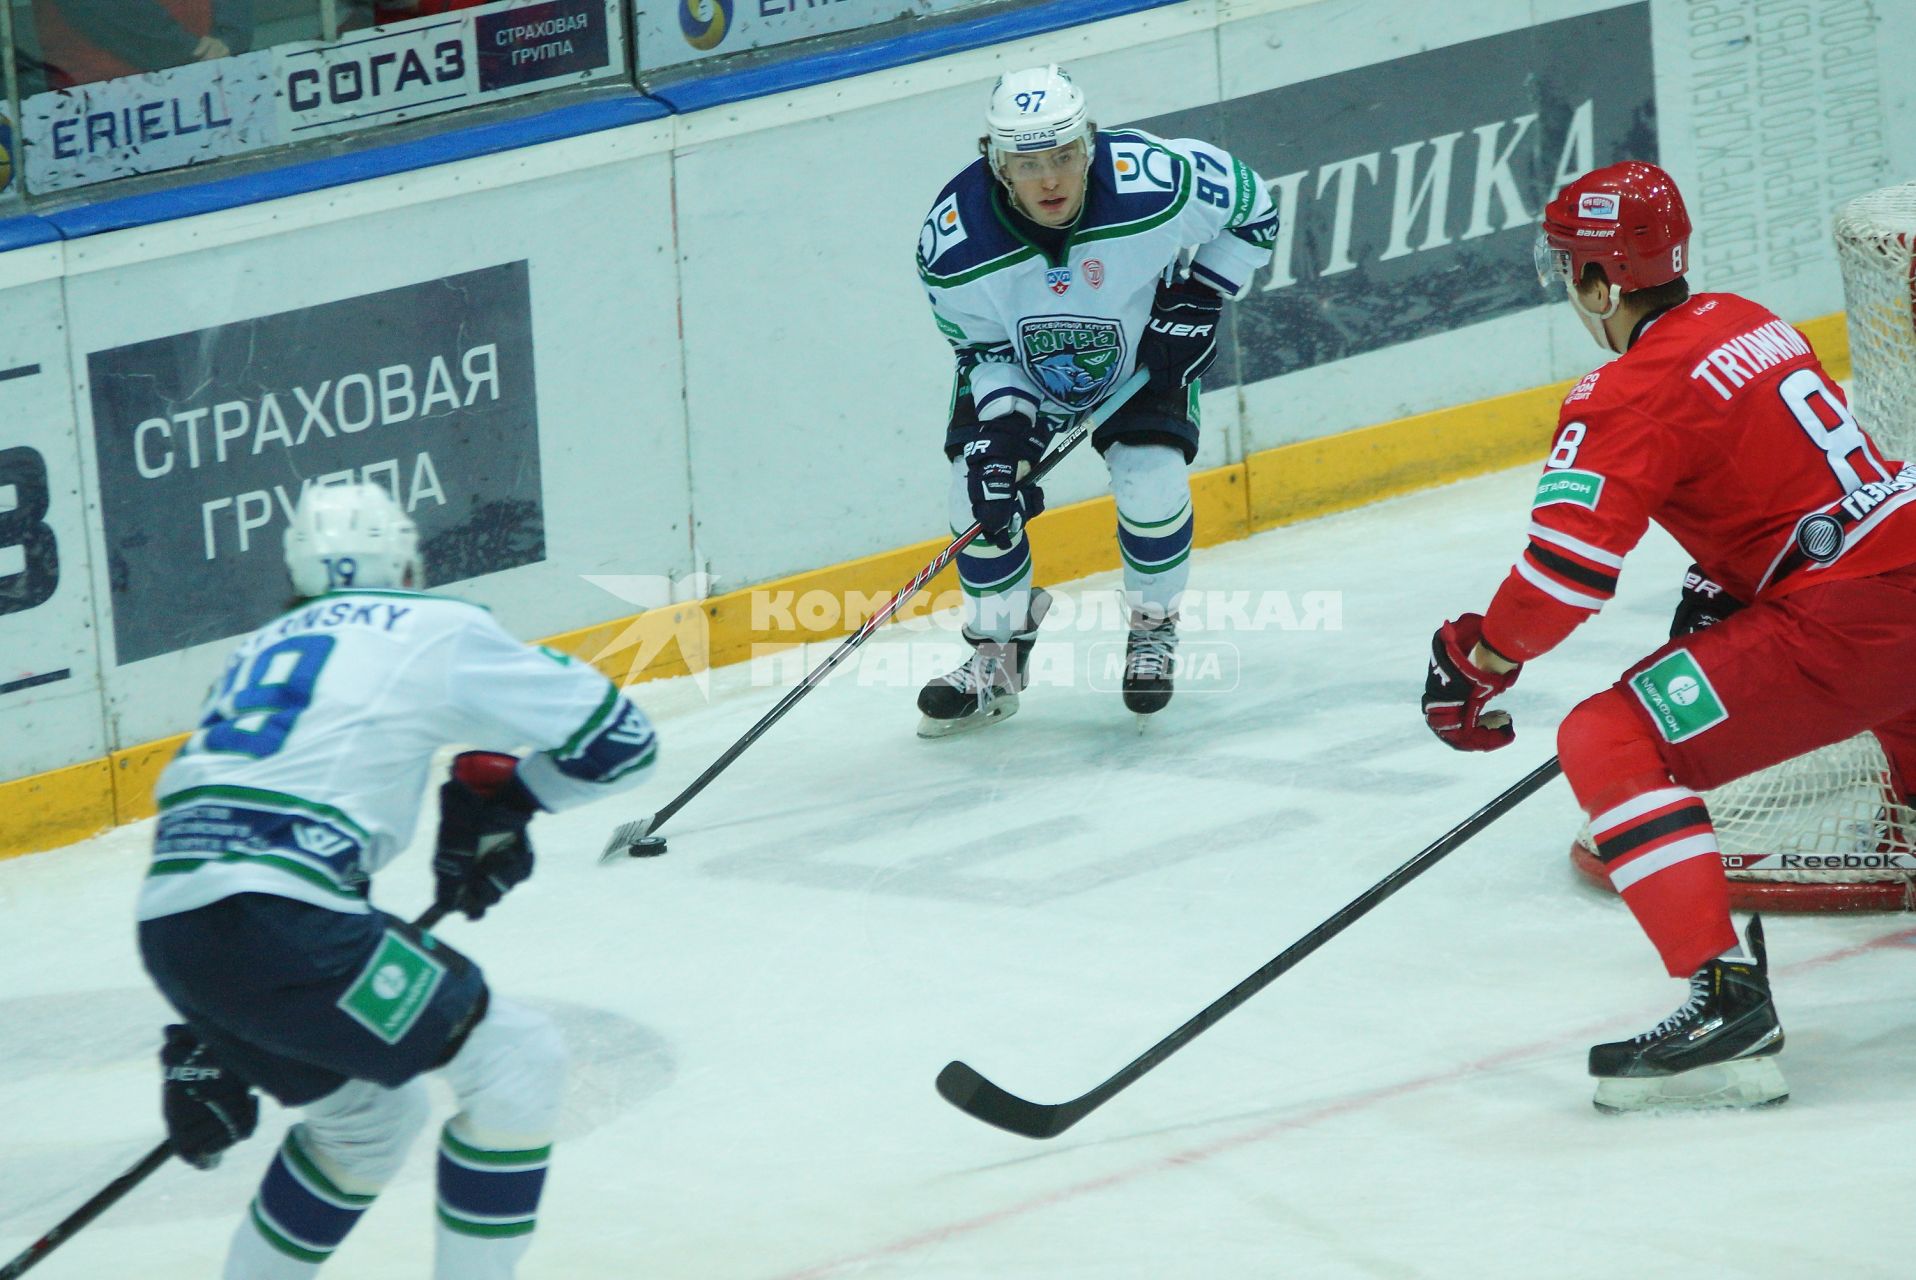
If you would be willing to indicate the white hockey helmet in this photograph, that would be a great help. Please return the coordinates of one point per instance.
(351, 535)
(1034, 110)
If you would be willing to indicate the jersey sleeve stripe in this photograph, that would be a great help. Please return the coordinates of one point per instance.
(1572, 571)
(1588, 551)
(1555, 590)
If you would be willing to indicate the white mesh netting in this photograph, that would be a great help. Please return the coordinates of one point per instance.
(1832, 809)
(1875, 247)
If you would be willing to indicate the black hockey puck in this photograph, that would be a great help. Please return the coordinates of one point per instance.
(647, 847)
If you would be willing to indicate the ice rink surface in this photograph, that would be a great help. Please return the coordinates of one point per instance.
(756, 1017)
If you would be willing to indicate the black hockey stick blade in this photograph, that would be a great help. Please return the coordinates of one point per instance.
(106, 1198)
(977, 1097)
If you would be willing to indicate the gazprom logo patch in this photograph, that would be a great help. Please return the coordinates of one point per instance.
(1600, 205)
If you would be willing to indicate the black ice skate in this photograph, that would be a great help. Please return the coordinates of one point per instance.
(1149, 658)
(987, 686)
(1717, 1050)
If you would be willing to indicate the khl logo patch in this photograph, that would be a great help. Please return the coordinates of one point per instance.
(1059, 278)
(1074, 358)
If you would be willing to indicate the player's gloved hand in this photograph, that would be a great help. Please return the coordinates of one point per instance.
(1180, 340)
(1456, 689)
(206, 1107)
(1704, 603)
(483, 850)
(1001, 500)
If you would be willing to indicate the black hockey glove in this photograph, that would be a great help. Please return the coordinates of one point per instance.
(207, 1108)
(1703, 604)
(483, 850)
(1000, 500)
(1180, 340)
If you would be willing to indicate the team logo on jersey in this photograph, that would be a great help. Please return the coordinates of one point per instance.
(1075, 359)
(1058, 278)
(1601, 205)
(943, 231)
(1094, 273)
(1136, 165)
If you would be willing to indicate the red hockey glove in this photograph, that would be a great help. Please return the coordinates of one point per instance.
(1455, 690)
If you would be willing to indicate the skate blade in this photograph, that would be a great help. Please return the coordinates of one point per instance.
(1741, 1082)
(1002, 707)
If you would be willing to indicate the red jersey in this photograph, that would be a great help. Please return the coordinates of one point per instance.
(1720, 424)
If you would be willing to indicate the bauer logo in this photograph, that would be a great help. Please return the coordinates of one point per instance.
(1678, 696)
(1579, 488)
(205, 439)
(1599, 205)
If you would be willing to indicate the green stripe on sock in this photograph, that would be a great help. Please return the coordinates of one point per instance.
(281, 1243)
(469, 1154)
(486, 1230)
(1162, 567)
(310, 1173)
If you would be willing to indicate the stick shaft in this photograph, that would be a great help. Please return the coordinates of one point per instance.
(1079, 432)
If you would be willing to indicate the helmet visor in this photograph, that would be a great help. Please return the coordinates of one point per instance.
(1067, 161)
(1553, 264)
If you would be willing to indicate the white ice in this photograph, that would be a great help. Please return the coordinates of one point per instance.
(756, 1017)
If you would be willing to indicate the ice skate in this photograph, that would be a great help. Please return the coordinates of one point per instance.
(986, 687)
(1150, 653)
(1717, 1050)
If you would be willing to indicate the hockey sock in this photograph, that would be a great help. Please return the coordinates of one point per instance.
(997, 587)
(488, 1205)
(1155, 524)
(1653, 837)
(296, 1221)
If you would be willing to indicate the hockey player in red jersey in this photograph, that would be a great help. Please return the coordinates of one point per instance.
(1717, 421)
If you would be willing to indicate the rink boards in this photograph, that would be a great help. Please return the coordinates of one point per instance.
(652, 388)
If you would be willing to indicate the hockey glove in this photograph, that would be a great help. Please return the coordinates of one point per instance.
(1001, 501)
(1180, 340)
(1703, 604)
(483, 850)
(1455, 690)
(207, 1108)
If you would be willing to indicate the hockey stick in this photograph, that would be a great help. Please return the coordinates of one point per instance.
(636, 839)
(109, 1195)
(976, 1096)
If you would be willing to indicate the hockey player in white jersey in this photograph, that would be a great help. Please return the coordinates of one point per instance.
(1059, 261)
(303, 779)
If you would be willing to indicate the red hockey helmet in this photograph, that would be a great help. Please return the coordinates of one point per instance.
(1628, 218)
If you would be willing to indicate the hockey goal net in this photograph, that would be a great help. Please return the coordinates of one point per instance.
(1824, 832)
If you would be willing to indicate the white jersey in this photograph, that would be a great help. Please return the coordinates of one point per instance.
(1042, 333)
(311, 759)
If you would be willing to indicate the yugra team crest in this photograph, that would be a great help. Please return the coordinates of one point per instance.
(1074, 358)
